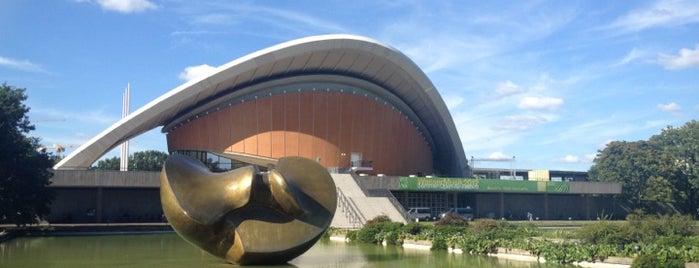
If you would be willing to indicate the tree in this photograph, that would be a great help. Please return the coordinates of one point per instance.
(681, 145)
(109, 163)
(661, 171)
(629, 163)
(150, 160)
(24, 171)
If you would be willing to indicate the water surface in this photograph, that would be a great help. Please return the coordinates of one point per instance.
(169, 250)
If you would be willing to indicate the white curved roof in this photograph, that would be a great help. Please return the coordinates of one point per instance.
(334, 57)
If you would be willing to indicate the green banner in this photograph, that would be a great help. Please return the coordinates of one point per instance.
(475, 185)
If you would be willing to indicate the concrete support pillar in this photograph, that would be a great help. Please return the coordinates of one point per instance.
(546, 206)
(502, 205)
(99, 202)
(587, 206)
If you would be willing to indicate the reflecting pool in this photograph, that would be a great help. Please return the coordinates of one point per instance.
(169, 250)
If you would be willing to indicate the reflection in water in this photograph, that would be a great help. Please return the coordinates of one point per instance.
(169, 250)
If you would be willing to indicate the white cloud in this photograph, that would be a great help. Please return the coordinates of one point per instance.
(519, 122)
(98, 117)
(453, 101)
(540, 103)
(507, 88)
(687, 58)
(574, 159)
(499, 156)
(570, 159)
(590, 157)
(193, 72)
(20, 64)
(661, 14)
(123, 6)
(289, 21)
(670, 107)
(633, 55)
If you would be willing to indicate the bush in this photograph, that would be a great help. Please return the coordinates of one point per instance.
(380, 229)
(485, 226)
(418, 231)
(378, 219)
(368, 234)
(415, 228)
(478, 244)
(452, 219)
(605, 232)
(439, 243)
(645, 228)
(443, 234)
(652, 261)
(351, 235)
(448, 230)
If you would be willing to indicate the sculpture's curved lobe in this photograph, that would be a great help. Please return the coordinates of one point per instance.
(247, 216)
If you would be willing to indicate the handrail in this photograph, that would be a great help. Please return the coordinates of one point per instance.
(398, 205)
(361, 220)
(356, 218)
(384, 193)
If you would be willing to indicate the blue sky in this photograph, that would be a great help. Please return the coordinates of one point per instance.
(549, 82)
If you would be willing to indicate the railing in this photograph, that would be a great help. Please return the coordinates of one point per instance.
(388, 194)
(361, 163)
(382, 193)
(354, 215)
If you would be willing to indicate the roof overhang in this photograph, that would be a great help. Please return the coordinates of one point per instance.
(335, 57)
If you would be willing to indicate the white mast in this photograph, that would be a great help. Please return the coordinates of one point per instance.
(124, 164)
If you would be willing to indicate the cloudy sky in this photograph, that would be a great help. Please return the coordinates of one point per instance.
(548, 82)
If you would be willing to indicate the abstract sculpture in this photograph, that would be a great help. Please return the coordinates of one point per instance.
(248, 216)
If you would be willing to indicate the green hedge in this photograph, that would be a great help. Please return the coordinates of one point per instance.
(655, 241)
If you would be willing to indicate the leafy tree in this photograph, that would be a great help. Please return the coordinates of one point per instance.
(109, 163)
(640, 168)
(681, 145)
(656, 174)
(150, 160)
(24, 171)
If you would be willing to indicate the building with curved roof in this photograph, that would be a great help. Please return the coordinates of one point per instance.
(337, 99)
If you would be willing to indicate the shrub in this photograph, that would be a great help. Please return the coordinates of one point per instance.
(379, 230)
(448, 230)
(368, 234)
(415, 228)
(604, 232)
(648, 228)
(351, 235)
(652, 261)
(439, 243)
(392, 237)
(418, 231)
(442, 234)
(452, 219)
(378, 219)
(485, 226)
(478, 244)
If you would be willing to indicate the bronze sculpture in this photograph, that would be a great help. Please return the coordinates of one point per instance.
(248, 216)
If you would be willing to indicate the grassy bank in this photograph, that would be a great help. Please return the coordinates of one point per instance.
(668, 241)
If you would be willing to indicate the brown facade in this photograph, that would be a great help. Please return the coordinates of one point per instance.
(326, 126)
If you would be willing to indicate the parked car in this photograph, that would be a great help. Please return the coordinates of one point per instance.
(420, 214)
(466, 212)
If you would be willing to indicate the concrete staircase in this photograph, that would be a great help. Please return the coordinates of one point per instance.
(354, 208)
